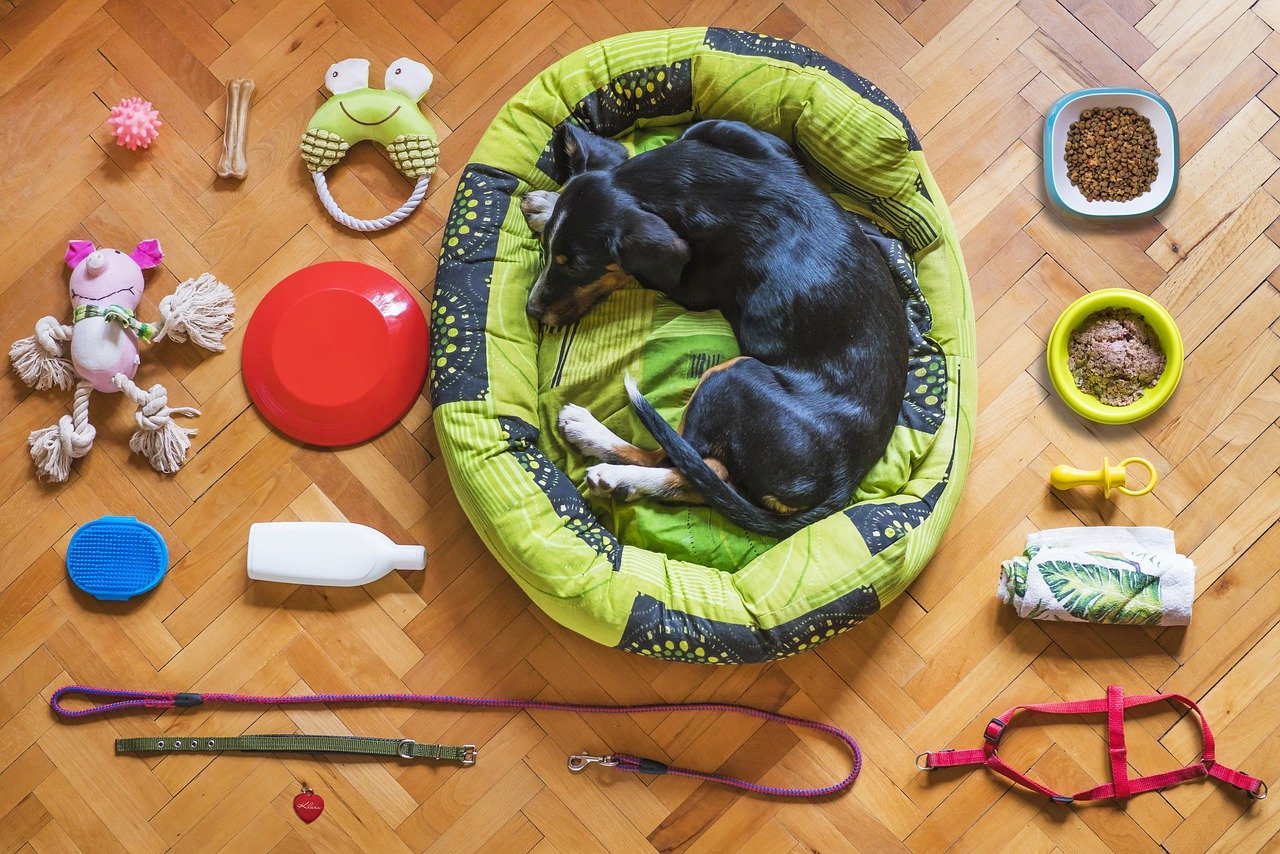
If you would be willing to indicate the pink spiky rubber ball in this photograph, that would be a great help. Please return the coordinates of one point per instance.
(135, 123)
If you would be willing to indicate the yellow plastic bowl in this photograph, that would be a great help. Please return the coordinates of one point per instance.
(1086, 404)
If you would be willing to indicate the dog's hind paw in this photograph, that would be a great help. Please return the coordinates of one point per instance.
(536, 205)
(631, 483)
(586, 433)
(612, 481)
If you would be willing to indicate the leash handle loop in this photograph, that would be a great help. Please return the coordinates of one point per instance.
(118, 700)
(121, 700)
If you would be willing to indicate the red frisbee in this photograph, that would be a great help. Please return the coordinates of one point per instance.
(336, 353)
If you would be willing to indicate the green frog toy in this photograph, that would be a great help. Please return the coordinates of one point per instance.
(389, 116)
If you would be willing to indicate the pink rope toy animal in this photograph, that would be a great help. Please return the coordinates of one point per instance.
(106, 287)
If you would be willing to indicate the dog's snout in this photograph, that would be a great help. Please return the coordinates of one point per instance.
(536, 305)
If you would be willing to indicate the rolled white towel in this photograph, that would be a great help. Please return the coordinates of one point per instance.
(1122, 576)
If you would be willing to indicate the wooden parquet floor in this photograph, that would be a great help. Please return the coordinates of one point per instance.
(975, 77)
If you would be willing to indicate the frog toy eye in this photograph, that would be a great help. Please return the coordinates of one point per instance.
(409, 78)
(347, 76)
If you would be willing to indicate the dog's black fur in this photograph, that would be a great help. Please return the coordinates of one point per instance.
(726, 218)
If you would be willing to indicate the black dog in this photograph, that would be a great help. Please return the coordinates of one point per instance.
(726, 218)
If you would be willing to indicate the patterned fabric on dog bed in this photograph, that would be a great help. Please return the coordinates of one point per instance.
(680, 582)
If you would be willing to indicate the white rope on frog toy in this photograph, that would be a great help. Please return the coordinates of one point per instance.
(53, 448)
(326, 198)
(158, 438)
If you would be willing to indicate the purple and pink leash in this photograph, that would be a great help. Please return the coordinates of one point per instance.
(121, 700)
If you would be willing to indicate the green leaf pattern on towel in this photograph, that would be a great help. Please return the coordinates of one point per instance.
(1015, 572)
(1100, 594)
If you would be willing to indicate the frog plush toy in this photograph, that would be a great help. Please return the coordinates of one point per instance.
(388, 116)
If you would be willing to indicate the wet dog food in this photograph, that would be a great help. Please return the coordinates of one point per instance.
(1115, 356)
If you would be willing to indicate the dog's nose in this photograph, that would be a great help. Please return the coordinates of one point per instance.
(534, 309)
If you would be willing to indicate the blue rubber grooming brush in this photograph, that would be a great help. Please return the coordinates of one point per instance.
(116, 557)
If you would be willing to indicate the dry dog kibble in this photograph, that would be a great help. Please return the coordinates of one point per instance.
(1115, 355)
(1112, 154)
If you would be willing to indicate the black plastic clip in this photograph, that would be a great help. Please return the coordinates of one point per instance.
(651, 766)
(999, 733)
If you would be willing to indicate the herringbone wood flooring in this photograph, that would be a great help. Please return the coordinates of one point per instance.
(975, 76)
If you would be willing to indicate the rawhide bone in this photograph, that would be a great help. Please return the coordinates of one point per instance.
(236, 128)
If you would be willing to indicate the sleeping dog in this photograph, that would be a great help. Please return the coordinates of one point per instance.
(726, 218)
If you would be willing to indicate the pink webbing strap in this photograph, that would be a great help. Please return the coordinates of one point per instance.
(112, 700)
(1115, 742)
(1121, 786)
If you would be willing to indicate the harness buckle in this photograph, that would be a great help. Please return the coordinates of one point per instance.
(994, 738)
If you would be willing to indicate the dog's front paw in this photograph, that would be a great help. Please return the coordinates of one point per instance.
(536, 205)
(585, 433)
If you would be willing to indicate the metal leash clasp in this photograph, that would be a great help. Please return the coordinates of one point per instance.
(579, 761)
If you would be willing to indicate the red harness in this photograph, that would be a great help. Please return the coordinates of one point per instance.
(1121, 786)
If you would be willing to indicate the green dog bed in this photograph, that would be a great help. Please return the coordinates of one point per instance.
(680, 582)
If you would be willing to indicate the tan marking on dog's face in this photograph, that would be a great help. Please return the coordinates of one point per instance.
(571, 308)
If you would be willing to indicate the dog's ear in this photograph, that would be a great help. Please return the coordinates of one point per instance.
(650, 250)
(577, 150)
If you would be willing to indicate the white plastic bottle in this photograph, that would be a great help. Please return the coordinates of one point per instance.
(337, 554)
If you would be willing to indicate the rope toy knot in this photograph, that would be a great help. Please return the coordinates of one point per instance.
(54, 447)
(48, 336)
(75, 442)
(159, 438)
(153, 411)
(39, 359)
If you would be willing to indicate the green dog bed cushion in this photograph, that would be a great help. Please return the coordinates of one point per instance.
(667, 581)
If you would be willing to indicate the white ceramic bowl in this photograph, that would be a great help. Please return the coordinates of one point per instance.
(1067, 110)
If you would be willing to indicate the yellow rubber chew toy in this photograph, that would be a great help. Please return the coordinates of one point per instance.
(1108, 477)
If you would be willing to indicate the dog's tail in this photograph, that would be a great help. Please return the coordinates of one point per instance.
(717, 493)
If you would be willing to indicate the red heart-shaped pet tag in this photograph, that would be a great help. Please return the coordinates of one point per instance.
(308, 805)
